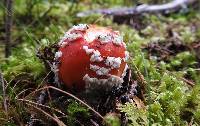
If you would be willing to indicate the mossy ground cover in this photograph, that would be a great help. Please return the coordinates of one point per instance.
(165, 50)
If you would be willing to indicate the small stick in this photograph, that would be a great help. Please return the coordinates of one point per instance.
(188, 81)
(184, 79)
(93, 122)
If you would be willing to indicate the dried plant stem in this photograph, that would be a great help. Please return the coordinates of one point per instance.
(22, 92)
(40, 101)
(71, 95)
(141, 80)
(45, 106)
(59, 122)
(4, 92)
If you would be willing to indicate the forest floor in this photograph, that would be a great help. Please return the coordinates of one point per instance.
(164, 52)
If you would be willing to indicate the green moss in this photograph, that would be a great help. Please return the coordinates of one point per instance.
(112, 120)
(75, 112)
(20, 62)
(138, 117)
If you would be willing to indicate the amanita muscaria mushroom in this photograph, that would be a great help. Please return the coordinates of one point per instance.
(91, 57)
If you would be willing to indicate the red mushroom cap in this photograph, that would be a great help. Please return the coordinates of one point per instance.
(91, 56)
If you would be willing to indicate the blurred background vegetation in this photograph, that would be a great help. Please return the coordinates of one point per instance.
(165, 49)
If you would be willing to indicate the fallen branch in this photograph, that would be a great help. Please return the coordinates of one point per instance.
(144, 8)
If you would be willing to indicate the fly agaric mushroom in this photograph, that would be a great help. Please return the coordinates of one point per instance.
(91, 57)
